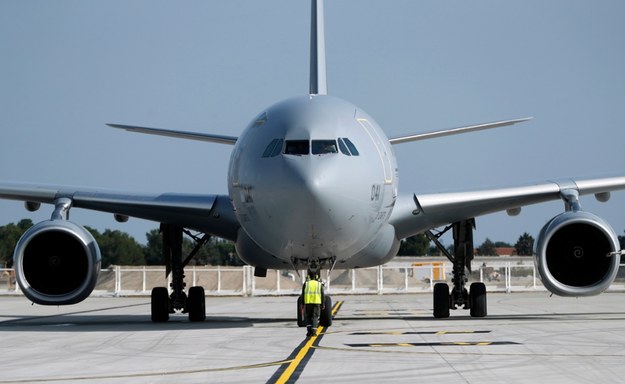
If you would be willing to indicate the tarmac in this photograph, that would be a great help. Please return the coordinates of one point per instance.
(527, 337)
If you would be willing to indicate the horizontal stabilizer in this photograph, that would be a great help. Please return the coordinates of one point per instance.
(455, 131)
(221, 139)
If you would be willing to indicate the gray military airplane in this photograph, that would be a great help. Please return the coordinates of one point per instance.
(313, 184)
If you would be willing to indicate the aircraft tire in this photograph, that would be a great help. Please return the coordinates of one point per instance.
(196, 304)
(160, 304)
(441, 300)
(325, 320)
(477, 296)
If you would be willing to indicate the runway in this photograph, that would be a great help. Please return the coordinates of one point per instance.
(527, 337)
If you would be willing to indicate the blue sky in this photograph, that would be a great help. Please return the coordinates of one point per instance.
(69, 67)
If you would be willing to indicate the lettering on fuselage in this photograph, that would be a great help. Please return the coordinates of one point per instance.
(375, 192)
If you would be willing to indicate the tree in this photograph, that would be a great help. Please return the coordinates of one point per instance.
(118, 248)
(224, 253)
(416, 245)
(215, 252)
(9, 236)
(621, 240)
(487, 248)
(525, 245)
(153, 250)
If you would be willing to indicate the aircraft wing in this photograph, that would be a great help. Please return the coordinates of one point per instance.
(414, 214)
(206, 213)
(455, 131)
(220, 139)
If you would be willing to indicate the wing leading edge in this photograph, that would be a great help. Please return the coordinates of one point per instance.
(416, 213)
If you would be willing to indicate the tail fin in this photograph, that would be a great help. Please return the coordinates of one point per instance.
(318, 84)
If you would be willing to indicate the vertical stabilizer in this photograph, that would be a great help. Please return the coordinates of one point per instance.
(317, 50)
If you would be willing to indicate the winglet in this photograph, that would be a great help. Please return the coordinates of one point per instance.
(317, 50)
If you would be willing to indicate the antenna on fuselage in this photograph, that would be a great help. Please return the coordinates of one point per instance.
(317, 50)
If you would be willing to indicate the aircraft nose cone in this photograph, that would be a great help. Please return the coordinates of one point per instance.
(313, 185)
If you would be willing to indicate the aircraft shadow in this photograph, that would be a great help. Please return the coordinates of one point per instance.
(96, 321)
(596, 316)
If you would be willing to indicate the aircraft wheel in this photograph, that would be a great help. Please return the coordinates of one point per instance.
(301, 317)
(325, 320)
(160, 304)
(477, 296)
(196, 304)
(441, 300)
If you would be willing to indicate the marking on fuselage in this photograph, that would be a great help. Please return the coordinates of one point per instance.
(375, 192)
(377, 142)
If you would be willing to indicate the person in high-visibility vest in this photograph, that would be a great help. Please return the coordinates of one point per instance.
(312, 292)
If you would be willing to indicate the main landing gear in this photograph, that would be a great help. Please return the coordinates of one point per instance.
(475, 299)
(162, 303)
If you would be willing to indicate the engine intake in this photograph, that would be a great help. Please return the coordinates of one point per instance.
(572, 254)
(57, 262)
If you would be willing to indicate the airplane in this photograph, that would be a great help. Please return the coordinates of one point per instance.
(313, 184)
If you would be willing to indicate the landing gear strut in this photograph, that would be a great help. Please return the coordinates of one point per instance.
(475, 300)
(162, 303)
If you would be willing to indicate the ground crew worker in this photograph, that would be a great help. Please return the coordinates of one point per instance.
(312, 291)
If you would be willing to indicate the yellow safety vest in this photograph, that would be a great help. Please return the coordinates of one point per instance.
(312, 292)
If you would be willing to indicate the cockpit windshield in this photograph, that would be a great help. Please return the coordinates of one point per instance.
(304, 147)
(322, 147)
(297, 147)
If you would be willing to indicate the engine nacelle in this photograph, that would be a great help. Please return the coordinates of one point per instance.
(57, 262)
(573, 254)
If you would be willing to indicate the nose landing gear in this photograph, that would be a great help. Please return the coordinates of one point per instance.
(314, 271)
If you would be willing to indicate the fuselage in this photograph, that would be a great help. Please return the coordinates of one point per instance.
(314, 177)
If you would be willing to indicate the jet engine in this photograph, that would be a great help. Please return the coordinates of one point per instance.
(57, 262)
(576, 254)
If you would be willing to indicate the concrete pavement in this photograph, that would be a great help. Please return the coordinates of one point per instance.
(527, 337)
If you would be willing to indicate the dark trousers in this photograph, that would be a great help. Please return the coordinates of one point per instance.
(312, 315)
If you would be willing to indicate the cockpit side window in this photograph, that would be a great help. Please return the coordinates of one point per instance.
(277, 149)
(343, 147)
(322, 147)
(297, 147)
(351, 146)
(274, 148)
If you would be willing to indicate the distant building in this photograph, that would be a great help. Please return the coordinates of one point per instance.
(505, 251)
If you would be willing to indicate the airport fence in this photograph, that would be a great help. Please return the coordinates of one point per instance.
(418, 276)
